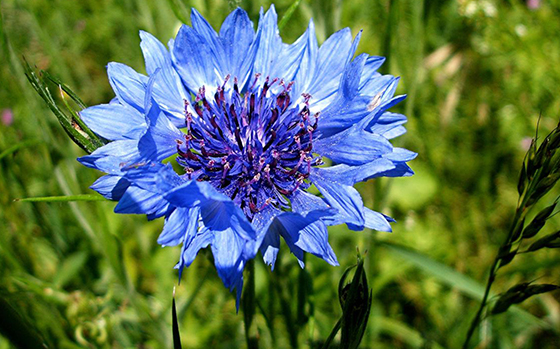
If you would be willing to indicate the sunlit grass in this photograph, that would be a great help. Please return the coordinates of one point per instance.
(82, 276)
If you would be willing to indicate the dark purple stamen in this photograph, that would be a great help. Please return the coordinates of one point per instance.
(255, 147)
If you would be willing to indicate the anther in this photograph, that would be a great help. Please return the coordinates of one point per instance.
(270, 140)
(238, 138)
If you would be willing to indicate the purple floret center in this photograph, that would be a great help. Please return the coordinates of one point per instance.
(255, 147)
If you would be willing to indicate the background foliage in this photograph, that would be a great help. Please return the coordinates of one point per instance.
(478, 75)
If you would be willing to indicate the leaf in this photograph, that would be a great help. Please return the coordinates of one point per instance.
(176, 334)
(522, 184)
(443, 272)
(516, 234)
(69, 198)
(304, 303)
(18, 146)
(452, 278)
(78, 132)
(65, 88)
(249, 304)
(333, 334)
(233, 4)
(179, 9)
(17, 328)
(288, 14)
(70, 268)
(401, 331)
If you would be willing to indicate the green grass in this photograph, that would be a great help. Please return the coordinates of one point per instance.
(78, 275)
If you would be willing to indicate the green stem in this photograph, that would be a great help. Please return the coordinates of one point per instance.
(333, 334)
(519, 213)
(475, 322)
(249, 307)
(285, 307)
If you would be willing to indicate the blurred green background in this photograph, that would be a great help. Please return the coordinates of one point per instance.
(477, 73)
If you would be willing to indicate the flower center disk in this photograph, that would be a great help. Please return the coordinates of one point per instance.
(255, 147)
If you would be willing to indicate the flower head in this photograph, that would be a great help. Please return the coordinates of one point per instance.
(248, 122)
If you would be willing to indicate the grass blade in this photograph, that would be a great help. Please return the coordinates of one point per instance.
(69, 198)
(176, 334)
(288, 14)
(18, 146)
(452, 278)
(16, 328)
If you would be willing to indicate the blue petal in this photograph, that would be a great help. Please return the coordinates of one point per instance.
(331, 61)
(180, 226)
(400, 170)
(375, 220)
(111, 187)
(169, 93)
(218, 212)
(113, 157)
(228, 250)
(129, 86)
(355, 105)
(347, 107)
(388, 125)
(220, 215)
(314, 239)
(268, 240)
(155, 54)
(210, 37)
(350, 175)
(270, 247)
(238, 35)
(304, 202)
(160, 141)
(190, 249)
(342, 197)
(353, 146)
(302, 233)
(153, 176)
(194, 60)
(139, 201)
(370, 69)
(400, 155)
(267, 42)
(297, 61)
(168, 90)
(114, 121)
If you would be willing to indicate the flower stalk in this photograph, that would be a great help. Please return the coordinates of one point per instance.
(539, 173)
(249, 306)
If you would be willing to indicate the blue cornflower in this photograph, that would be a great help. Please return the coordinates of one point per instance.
(229, 131)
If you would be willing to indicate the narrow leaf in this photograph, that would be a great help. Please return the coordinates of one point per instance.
(17, 329)
(76, 131)
(70, 268)
(452, 278)
(18, 146)
(288, 14)
(69, 198)
(176, 335)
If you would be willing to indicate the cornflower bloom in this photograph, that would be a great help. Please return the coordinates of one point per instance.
(229, 131)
